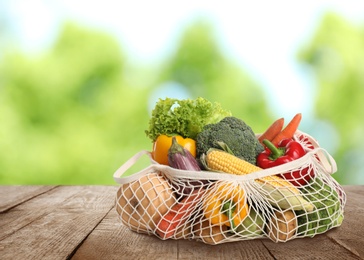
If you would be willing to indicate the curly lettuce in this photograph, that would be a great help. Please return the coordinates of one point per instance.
(184, 117)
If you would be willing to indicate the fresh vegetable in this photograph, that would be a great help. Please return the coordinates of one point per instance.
(180, 158)
(226, 205)
(223, 161)
(142, 203)
(281, 196)
(184, 117)
(289, 130)
(287, 150)
(272, 130)
(282, 226)
(163, 143)
(252, 226)
(329, 211)
(234, 133)
(177, 215)
(184, 231)
(209, 234)
(278, 191)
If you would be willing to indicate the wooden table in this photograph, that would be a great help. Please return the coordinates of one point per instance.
(80, 222)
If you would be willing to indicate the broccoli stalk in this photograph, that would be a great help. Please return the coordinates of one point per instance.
(233, 132)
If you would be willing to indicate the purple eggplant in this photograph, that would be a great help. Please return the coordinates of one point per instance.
(180, 158)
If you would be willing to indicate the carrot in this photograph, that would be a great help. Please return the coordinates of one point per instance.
(289, 130)
(272, 130)
(177, 215)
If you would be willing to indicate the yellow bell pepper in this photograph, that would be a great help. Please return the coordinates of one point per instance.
(164, 142)
(226, 205)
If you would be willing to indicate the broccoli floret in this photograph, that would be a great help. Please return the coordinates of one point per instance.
(235, 133)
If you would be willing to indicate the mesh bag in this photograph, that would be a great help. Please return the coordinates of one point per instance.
(218, 207)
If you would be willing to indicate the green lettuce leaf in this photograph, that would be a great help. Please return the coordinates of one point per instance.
(184, 117)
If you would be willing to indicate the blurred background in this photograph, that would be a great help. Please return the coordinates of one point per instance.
(78, 79)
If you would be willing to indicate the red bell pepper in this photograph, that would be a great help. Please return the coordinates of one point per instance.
(286, 151)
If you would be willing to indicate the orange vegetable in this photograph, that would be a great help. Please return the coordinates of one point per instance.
(272, 130)
(289, 130)
(163, 143)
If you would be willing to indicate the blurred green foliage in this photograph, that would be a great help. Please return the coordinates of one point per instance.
(68, 116)
(200, 66)
(73, 114)
(336, 57)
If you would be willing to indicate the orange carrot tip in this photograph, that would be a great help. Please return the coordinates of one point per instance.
(289, 130)
(274, 129)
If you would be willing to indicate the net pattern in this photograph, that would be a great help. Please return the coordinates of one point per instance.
(218, 209)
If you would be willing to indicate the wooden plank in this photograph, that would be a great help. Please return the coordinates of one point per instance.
(350, 234)
(74, 197)
(65, 197)
(356, 189)
(57, 223)
(348, 238)
(250, 249)
(356, 194)
(112, 240)
(14, 220)
(12, 196)
(353, 202)
(319, 247)
(70, 197)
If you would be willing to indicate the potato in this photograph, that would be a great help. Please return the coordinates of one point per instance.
(282, 226)
(142, 203)
(183, 232)
(209, 234)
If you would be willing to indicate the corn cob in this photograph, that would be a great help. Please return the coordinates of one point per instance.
(278, 191)
(219, 160)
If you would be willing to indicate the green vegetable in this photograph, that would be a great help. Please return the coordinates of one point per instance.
(328, 212)
(235, 133)
(252, 226)
(184, 117)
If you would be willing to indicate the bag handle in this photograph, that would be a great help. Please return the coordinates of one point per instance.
(327, 161)
(129, 163)
(153, 167)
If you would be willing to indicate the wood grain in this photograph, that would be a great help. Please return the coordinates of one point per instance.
(14, 195)
(111, 240)
(54, 223)
(80, 222)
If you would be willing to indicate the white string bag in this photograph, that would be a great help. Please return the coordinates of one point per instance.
(219, 207)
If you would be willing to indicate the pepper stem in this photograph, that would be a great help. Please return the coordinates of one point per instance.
(275, 152)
